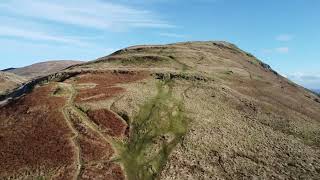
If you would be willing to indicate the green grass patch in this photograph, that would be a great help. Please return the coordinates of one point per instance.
(155, 131)
(40, 178)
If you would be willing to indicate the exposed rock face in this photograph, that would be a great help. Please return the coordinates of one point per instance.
(194, 110)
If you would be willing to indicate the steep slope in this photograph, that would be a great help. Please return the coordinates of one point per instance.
(9, 81)
(194, 110)
(42, 69)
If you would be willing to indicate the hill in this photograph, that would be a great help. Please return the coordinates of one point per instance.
(42, 68)
(194, 110)
(9, 81)
(8, 69)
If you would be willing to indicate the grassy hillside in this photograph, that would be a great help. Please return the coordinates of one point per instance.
(193, 110)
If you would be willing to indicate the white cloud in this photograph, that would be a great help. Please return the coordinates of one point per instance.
(91, 14)
(283, 50)
(9, 31)
(172, 35)
(267, 51)
(54, 21)
(305, 76)
(284, 37)
(309, 80)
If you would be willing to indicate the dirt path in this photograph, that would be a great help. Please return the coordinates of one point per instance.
(70, 108)
(75, 138)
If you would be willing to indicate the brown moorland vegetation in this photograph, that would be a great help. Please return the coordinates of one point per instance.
(110, 122)
(95, 153)
(92, 146)
(105, 84)
(34, 137)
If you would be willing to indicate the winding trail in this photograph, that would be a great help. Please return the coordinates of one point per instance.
(75, 138)
(70, 108)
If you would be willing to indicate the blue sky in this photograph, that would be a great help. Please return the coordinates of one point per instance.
(282, 33)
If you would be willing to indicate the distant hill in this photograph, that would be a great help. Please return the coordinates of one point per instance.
(8, 69)
(12, 78)
(9, 81)
(316, 91)
(42, 68)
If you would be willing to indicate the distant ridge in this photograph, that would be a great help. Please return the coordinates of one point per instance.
(42, 68)
(8, 69)
(316, 91)
(9, 81)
